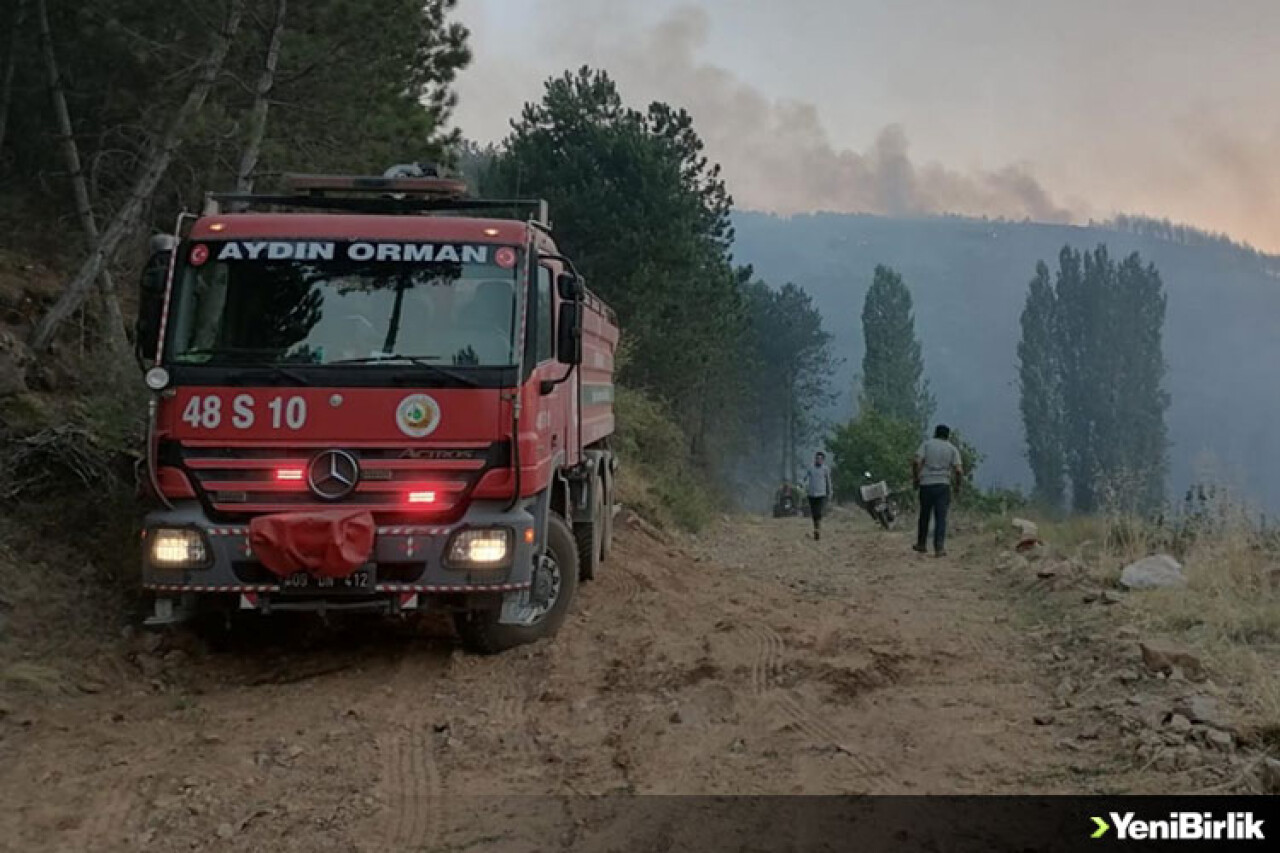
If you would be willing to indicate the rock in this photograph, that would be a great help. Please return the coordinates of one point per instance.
(675, 718)
(1169, 661)
(226, 831)
(1167, 759)
(1090, 597)
(295, 751)
(1027, 529)
(1127, 676)
(1202, 709)
(1180, 724)
(1032, 549)
(1220, 740)
(1158, 572)
(1043, 719)
(1109, 597)
(637, 523)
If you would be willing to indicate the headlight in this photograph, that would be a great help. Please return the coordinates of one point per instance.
(178, 549)
(157, 379)
(486, 548)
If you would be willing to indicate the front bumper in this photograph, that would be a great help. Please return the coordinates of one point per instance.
(407, 564)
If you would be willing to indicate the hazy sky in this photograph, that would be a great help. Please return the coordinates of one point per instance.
(1054, 110)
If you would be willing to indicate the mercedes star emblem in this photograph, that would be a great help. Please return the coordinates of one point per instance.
(333, 474)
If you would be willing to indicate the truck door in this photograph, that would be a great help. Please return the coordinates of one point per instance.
(555, 423)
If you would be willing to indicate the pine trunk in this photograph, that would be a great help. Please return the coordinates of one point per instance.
(161, 156)
(115, 334)
(261, 104)
(10, 65)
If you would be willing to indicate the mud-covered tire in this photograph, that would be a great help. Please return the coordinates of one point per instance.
(481, 632)
(589, 534)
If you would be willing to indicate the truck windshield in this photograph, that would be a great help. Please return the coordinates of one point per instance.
(327, 303)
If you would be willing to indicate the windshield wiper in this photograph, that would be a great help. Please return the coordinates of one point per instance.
(423, 361)
(217, 351)
(418, 360)
(251, 372)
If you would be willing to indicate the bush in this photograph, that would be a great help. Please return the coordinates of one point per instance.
(659, 479)
(876, 443)
(885, 446)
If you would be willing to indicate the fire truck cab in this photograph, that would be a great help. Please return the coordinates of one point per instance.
(375, 394)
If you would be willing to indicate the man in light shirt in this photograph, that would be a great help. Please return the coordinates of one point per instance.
(818, 486)
(935, 467)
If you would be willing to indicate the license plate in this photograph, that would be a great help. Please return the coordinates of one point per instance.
(361, 580)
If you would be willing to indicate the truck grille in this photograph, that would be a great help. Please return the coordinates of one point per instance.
(238, 480)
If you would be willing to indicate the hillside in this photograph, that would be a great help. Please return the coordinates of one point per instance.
(969, 279)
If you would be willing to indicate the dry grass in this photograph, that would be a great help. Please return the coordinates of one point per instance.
(1229, 611)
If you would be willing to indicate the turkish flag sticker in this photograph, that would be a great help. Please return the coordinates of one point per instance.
(505, 257)
(199, 254)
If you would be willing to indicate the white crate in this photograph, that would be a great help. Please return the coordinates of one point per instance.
(874, 491)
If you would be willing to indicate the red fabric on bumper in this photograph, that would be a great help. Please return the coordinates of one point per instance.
(324, 544)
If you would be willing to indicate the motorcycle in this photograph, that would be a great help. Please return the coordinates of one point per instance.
(876, 499)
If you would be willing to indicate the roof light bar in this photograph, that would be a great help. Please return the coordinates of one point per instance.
(432, 187)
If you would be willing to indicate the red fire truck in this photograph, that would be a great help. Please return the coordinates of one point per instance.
(375, 394)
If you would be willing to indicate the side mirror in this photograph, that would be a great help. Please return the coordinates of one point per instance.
(569, 286)
(569, 334)
(146, 329)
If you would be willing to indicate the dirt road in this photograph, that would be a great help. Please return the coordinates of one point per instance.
(751, 661)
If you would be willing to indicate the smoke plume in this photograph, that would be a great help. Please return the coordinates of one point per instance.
(777, 155)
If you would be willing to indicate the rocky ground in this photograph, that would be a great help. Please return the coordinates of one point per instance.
(751, 660)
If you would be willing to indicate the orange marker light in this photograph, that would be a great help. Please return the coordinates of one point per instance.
(528, 535)
(217, 226)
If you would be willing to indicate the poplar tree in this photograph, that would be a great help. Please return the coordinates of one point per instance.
(893, 380)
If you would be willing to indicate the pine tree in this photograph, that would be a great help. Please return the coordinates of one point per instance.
(892, 367)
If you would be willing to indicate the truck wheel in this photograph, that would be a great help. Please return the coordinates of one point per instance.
(480, 630)
(606, 521)
(589, 534)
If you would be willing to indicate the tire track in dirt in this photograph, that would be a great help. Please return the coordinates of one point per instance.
(109, 815)
(766, 664)
(766, 671)
(412, 787)
(411, 779)
(627, 583)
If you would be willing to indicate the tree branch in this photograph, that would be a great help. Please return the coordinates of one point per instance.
(145, 185)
